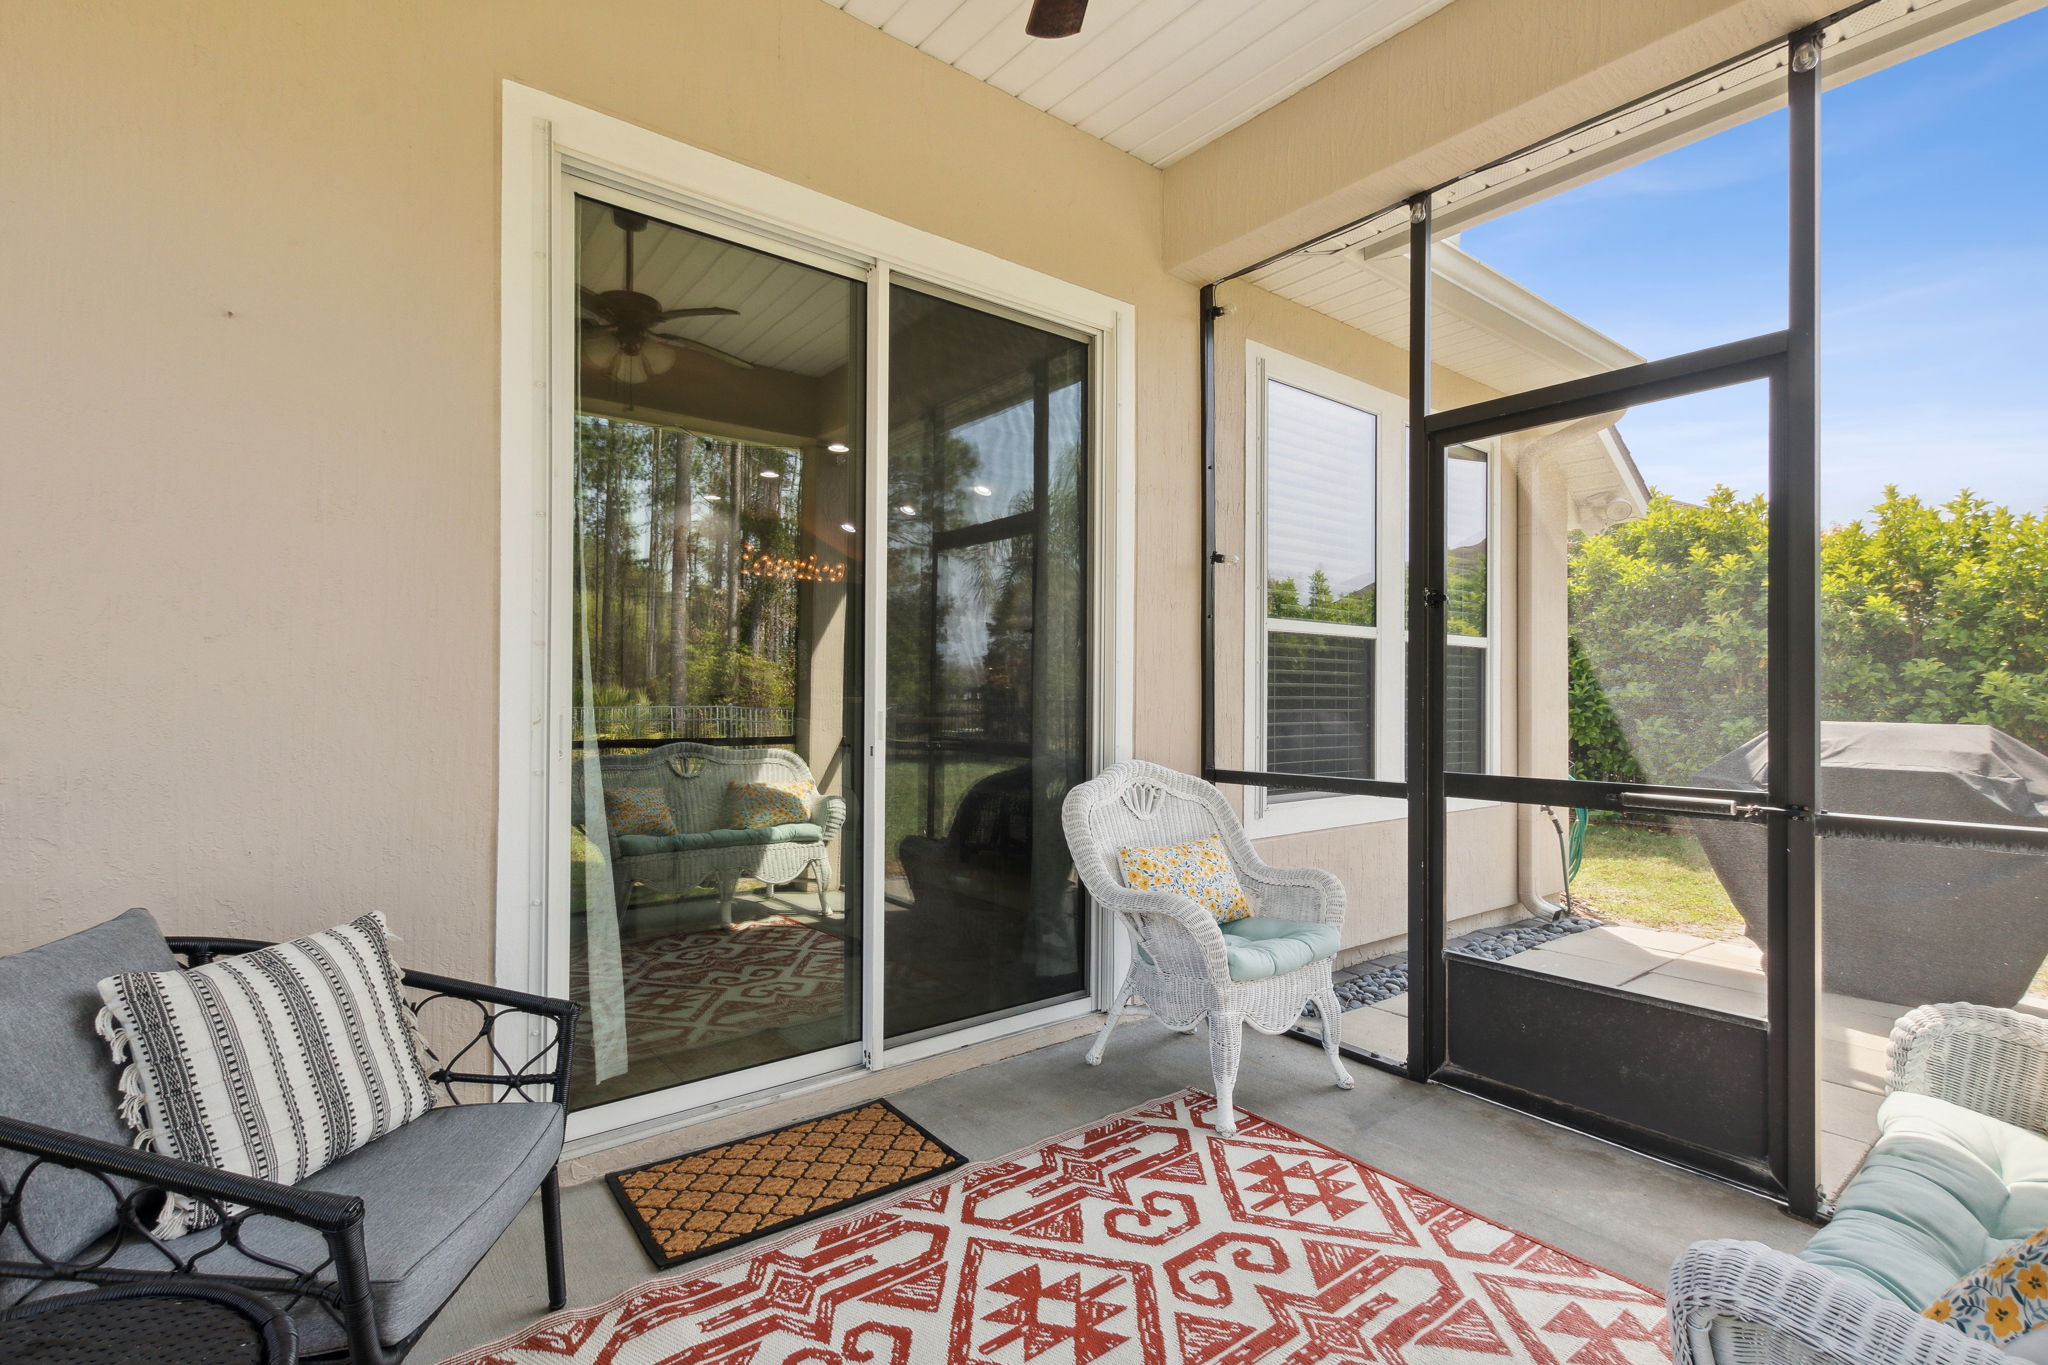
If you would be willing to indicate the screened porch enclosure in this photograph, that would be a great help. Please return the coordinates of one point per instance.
(1653, 754)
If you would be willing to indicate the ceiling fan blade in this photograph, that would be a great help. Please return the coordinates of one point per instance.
(1056, 18)
(727, 356)
(674, 313)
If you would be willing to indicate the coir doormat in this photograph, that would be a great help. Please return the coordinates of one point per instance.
(710, 1201)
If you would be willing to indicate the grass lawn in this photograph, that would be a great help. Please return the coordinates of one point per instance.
(1656, 879)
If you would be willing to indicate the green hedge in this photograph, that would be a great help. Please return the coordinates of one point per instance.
(1929, 613)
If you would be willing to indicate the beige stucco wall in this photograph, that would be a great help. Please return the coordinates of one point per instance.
(248, 653)
(249, 670)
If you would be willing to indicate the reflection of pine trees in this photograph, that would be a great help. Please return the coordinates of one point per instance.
(663, 518)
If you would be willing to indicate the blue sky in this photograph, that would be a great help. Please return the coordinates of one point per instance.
(1934, 278)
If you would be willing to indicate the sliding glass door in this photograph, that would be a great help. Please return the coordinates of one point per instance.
(987, 661)
(723, 919)
(715, 888)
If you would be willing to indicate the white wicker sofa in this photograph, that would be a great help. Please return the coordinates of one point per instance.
(1959, 1172)
(693, 778)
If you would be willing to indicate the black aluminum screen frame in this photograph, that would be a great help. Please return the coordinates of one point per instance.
(1788, 361)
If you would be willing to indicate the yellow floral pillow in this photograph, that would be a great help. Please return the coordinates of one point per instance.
(755, 805)
(638, 810)
(2000, 1301)
(1201, 871)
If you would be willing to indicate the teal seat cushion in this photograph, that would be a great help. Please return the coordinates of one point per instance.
(1259, 948)
(1944, 1190)
(634, 845)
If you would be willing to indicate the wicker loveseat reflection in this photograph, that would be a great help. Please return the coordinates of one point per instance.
(363, 1253)
(694, 780)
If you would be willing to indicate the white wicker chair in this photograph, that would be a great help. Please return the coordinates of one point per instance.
(1181, 970)
(1741, 1303)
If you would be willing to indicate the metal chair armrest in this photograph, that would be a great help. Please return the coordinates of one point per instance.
(546, 1070)
(53, 1146)
(492, 1002)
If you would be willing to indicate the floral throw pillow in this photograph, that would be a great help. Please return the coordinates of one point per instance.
(2000, 1301)
(638, 810)
(1199, 870)
(756, 805)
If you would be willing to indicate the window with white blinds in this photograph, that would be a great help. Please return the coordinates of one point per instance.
(1326, 491)
(1468, 506)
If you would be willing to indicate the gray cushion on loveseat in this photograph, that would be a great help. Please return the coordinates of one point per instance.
(436, 1194)
(58, 1072)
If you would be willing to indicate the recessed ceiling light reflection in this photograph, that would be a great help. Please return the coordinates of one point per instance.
(907, 510)
(982, 490)
(848, 527)
(771, 473)
(838, 447)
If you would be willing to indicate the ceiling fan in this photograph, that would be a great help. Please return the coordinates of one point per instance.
(621, 326)
(1056, 18)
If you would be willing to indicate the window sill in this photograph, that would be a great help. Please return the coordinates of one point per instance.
(1341, 812)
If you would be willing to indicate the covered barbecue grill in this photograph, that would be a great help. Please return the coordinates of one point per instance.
(1908, 923)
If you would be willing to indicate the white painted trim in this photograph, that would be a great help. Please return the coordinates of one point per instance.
(1263, 817)
(526, 171)
(657, 1105)
(546, 139)
(875, 679)
(901, 1053)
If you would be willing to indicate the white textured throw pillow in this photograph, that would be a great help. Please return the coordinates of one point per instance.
(273, 1063)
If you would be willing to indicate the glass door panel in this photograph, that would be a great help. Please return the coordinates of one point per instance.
(714, 906)
(987, 662)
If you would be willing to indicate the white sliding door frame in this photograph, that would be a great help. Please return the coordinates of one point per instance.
(550, 144)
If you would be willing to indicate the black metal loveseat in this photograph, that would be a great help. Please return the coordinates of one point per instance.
(362, 1254)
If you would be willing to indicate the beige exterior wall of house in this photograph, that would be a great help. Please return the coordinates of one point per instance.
(248, 641)
(251, 515)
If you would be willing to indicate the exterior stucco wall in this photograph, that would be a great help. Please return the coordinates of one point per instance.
(248, 651)
(249, 672)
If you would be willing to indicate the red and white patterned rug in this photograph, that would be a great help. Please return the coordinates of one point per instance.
(1144, 1239)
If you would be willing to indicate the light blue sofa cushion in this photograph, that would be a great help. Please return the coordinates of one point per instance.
(636, 845)
(1944, 1190)
(436, 1195)
(1259, 948)
(57, 1071)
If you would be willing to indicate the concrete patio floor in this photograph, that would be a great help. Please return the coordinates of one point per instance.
(1721, 974)
(1625, 1212)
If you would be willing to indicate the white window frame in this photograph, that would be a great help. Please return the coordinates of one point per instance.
(1490, 715)
(1264, 817)
(548, 145)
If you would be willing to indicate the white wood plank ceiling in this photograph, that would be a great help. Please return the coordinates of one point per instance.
(1156, 78)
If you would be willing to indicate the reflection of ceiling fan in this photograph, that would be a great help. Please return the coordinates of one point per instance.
(1056, 18)
(620, 325)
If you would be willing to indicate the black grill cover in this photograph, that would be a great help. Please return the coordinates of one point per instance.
(1908, 923)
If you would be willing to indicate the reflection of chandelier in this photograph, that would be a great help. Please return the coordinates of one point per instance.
(761, 564)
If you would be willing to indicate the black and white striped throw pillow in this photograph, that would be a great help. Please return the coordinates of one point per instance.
(273, 1063)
